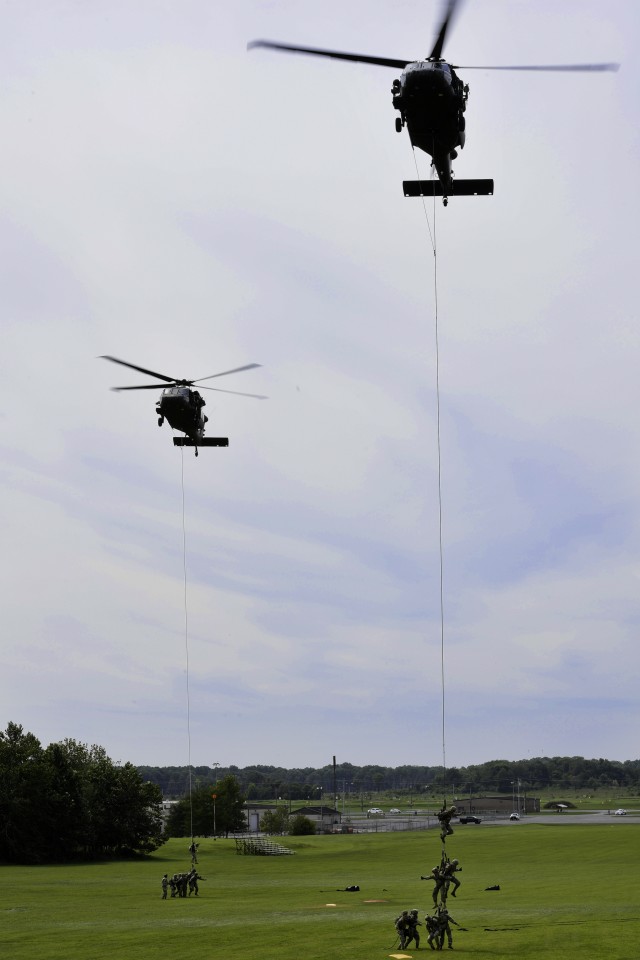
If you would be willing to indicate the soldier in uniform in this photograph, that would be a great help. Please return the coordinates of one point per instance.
(193, 850)
(450, 870)
(438, 876)
(432, 929)
(444, 816)
(403, 926)
(412, 932)
(173, 884)
(193, 878)
(165, 884)
(444, 919)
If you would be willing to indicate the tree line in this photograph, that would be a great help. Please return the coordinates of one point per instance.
(69, 800)
(317, 784)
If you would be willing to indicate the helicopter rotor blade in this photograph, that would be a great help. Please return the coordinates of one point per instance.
(132, 366)
(335, 54)
(436, 53)
(256, 396)
(560, 67)
(143, 386)
(249, 366)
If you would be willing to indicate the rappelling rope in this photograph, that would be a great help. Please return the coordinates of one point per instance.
(186, 643)
(432, 237)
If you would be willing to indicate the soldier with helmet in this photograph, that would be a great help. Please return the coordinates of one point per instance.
(444, 918)
(449, 871)
(413, 933)
(444, 816)
(403, 927)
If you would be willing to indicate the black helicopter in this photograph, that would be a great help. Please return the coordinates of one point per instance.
(182, 407)
(432, 101)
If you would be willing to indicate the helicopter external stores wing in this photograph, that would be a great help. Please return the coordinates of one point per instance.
(460, 188)
(203, 442)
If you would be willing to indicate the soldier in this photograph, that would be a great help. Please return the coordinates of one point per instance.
(432, 929)
(193, 878)
(193, 850)
(444, 919)
(403, 925)
(173, 885)
(165, 884)
(444, 816)
(412, 932)
(437, 875)
(450, 870)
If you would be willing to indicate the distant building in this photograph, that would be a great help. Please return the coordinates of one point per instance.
(254, 813)
(502, 803)
(325, 818)
(165, 810)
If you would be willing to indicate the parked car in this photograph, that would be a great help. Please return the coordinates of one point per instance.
(394, 810)
(620, 812)
(470, 820)
(375, 812)
(514, 816)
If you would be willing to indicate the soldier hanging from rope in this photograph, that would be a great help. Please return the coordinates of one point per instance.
(444, 816)
(449, 869)
(437, 875)
(193, 850)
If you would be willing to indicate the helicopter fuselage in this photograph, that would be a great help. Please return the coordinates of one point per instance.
(432, 100)
(182, 407)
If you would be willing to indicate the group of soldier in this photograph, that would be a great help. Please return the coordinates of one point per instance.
(438, 927)
(438, 924)
(181, 884)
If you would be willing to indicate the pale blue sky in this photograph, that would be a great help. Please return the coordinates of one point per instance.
(168, 198)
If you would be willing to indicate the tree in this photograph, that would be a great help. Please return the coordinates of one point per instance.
(275, 822)
(69, 801)
(194, 816)
(22, 775)
(230, 800)
(301, 826)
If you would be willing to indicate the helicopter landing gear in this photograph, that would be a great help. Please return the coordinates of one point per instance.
(160, 421)
(398, 124)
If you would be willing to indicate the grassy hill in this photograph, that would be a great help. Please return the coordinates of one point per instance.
(565, 890)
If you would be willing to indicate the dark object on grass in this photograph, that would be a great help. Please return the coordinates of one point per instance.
(496, 886)
(351, 889)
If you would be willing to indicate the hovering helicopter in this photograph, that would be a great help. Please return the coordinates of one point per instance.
(182, 407)
(432, 101)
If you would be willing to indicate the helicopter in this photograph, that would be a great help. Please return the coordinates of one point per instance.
(181, 406)
(432, 100)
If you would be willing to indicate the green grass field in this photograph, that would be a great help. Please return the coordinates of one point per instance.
(567, 890)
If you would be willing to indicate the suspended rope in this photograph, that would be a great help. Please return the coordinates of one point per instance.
(186, 645)
(434, 248)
